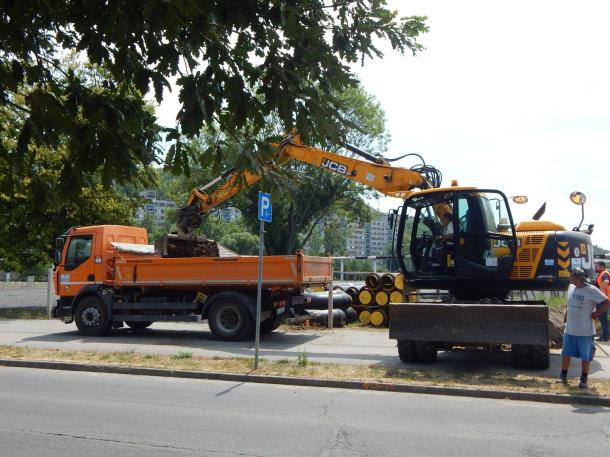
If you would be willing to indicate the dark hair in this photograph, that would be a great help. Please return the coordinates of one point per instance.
(601, 263)
(579, 273)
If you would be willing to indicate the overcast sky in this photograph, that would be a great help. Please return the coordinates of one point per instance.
(507, 95)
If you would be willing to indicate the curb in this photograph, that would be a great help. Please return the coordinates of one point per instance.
(307, 382)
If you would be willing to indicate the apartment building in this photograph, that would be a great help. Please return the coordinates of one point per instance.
(155, 207)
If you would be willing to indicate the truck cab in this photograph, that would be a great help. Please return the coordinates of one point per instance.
(84, 256)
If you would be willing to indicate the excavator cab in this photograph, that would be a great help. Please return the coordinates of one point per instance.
(456, 239)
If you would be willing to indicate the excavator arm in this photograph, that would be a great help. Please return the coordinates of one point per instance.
(375, 173)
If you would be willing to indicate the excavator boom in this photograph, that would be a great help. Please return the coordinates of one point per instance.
(381, 176)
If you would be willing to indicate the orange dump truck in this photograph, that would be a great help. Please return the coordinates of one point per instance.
(108, 275)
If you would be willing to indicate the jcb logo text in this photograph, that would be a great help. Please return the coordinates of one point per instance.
(334, 166)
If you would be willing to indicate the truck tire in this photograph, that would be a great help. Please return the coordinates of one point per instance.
(138, 325)
(521, 355)
(271, 324)
(229, 318)
(425, 351)
(91, 317)
(541, 357)
(406, 351)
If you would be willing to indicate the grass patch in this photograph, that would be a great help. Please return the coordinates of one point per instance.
(302, 359)
(182, 355)
(552, 301)
(29, 312)
(521, 382)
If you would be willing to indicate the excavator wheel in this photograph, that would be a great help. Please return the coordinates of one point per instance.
(521, 355)
(541, 357)
(406, 351)
(426, 351)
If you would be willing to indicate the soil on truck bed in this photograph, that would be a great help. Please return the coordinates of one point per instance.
(186, 246)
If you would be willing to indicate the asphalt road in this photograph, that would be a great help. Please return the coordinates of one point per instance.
(346, 346)
(49, 413)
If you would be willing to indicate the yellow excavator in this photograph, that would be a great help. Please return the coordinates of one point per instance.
(461, 240)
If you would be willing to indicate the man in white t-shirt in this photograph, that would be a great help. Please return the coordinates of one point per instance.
(583, 299)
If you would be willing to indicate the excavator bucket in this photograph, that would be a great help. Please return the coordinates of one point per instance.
(470, 324)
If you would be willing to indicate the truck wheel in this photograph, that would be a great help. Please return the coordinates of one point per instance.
(425, 351)
(91, 317)
(520, 355)
(229, 318)
(406, 351)
(138, 325)
(541, 357)
(271, 324)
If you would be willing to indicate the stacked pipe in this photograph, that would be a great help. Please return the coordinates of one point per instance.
(372, 299)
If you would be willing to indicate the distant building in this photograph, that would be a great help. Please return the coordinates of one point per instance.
(364, 239)
(155, 207)
(229, 213)
(371, 238)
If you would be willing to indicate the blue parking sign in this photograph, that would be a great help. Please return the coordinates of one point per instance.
(264, 207)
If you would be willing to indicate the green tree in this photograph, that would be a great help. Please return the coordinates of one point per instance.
(335, 235)
(30, 221)
(243, 243)
(305, 195)
(235, 63)
(41, 196)
(302, 195)
(148, 222)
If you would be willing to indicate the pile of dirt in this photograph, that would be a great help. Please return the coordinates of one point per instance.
(178, 245)
(556, 325)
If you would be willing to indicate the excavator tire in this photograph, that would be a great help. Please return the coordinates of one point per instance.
(541, 357)
(426, 351)
(521, 355)
(406, 351)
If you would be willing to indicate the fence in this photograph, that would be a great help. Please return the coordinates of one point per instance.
(19, 290)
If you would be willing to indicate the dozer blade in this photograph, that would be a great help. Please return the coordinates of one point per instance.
(470, 323)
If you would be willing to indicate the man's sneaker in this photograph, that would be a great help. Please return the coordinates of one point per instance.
(583, 385)
(563, 378)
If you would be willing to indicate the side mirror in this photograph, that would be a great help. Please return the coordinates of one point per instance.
(578, 198)
(59, 247)
(520, 199)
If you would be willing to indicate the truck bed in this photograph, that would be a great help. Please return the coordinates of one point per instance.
(279, 272)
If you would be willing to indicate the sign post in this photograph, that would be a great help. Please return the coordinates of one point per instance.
(264, 215)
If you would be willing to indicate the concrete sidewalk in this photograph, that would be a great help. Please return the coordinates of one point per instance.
(345, 346)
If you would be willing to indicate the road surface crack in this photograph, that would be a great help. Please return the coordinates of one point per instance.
(130, 443)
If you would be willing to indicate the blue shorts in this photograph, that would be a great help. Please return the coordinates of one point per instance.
(580, 347)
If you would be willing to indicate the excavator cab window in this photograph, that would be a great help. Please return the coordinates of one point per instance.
(486, 242)
(457, 233)
(432, 241)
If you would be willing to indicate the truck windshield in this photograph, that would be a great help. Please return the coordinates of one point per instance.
(79, 250)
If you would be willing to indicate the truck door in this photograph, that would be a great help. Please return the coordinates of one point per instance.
(79, 267)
